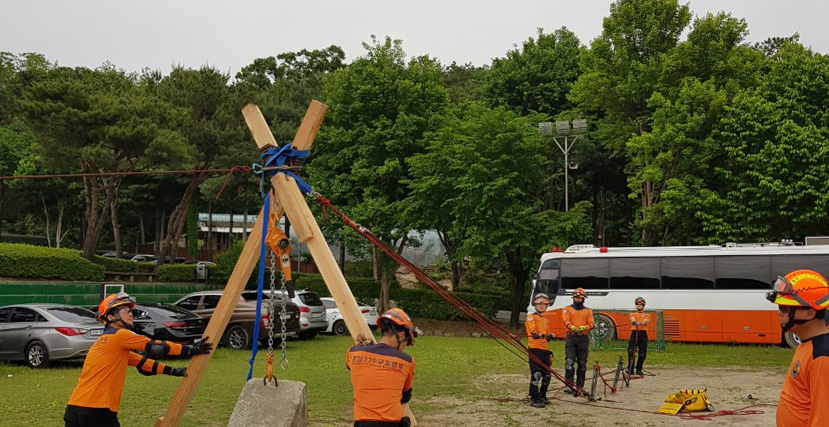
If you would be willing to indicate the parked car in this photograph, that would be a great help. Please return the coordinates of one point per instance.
(168, 322)
(41, 333)
(144, 258)
(312, 313)
(336, 324)
(239, 329)
(207, 263)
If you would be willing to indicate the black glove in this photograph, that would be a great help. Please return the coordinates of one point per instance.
(179, 372)
(200, 347)
(550, 337)
(536, 335)
(635, 323)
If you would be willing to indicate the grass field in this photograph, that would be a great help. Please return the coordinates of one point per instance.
(446, 368)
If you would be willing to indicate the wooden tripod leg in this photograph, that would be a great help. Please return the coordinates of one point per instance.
(218, 323)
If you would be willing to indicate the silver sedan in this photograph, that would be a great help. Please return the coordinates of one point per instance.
(40, 333)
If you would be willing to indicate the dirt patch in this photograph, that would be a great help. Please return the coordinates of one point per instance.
(728, 389)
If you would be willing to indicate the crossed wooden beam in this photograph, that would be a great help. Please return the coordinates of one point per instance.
(289, 200)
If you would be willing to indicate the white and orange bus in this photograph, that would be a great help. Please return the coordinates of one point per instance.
(706, 293)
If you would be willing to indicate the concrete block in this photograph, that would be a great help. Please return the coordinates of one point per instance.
(260, 405)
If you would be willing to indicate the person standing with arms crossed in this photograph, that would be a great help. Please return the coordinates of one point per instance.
(578, 320)
(638, 337)
(802, 297)
(382, 374)
(97, 397)
(538, 337)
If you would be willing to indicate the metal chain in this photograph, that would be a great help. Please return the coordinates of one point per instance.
(270, 303)
(283, 316)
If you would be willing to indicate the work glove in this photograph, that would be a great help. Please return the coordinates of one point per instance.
(550, 337)
(201, 347)
(179, 372)
(536, 335)
(581, 329)
(635, 323)
(573, 328)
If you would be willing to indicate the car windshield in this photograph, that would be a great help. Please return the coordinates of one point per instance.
(71, 314)
(310, 298)
(171, 311)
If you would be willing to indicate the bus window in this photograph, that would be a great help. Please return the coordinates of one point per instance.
(588, 273)
(688, 272)
(782, 265)
(547, 277)
(634, 273)
(743, 272)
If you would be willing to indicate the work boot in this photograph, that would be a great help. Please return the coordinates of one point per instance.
(535, 403)
(544, 400)
(639, 372)
(567, 390)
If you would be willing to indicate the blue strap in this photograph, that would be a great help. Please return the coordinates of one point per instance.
(276, 156)
(255, 346)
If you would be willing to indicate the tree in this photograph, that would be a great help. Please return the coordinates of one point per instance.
(210, 123)
(380, 107)
(483, 184)
(464, 82)
(773, 142)
(538, 77)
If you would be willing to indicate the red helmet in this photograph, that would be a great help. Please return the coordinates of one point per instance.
(801, 288)
(401, 319)
(112, 302)
(580, 292)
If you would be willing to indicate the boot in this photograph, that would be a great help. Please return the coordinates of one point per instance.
(543, 399)
(536, 403)
(639, 372)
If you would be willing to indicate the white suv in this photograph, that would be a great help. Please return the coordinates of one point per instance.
(312, 318)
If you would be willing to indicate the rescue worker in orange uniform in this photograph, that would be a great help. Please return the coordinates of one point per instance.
(382, 374)
(97, 396)
(638, 336)
(537, 337)
(802, 297)
(578, 320)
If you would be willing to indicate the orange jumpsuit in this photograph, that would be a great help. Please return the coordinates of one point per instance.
(804, 401)
(382, 378)
(105, 369)
(536, 324)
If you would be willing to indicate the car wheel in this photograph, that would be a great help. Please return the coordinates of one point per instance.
(339, 328)
(237, 337)
(791, 339)
(37, 356)
(605, 329)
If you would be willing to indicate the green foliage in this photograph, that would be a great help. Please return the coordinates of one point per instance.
(36, 262)
(538, 77)
(177, 273)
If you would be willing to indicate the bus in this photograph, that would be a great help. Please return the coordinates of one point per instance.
(708, 294)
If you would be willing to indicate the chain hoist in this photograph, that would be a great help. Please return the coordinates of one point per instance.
(280, 247)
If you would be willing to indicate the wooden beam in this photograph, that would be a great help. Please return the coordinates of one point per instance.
(218, 322)
(258, 127)
(310, 125)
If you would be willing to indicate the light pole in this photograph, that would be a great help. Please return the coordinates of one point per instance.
(563, 130)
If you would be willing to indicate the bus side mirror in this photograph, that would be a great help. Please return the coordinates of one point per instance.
(535, 276)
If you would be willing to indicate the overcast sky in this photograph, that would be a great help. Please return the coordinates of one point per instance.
(231, 34)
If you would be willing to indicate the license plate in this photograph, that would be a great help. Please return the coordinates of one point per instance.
(316, 315)
(96, 332)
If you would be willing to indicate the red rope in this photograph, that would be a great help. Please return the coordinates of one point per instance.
(494, 330)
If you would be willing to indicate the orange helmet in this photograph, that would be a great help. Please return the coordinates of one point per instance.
(580, 292)
(114, 301)
(801, 288)
(399, 318)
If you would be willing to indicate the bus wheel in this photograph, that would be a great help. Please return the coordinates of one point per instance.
(791, 339)
(605, 329)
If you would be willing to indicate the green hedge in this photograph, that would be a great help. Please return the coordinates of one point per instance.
(417, 302)
(124, 265)
(177, 273)
(37, 262)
